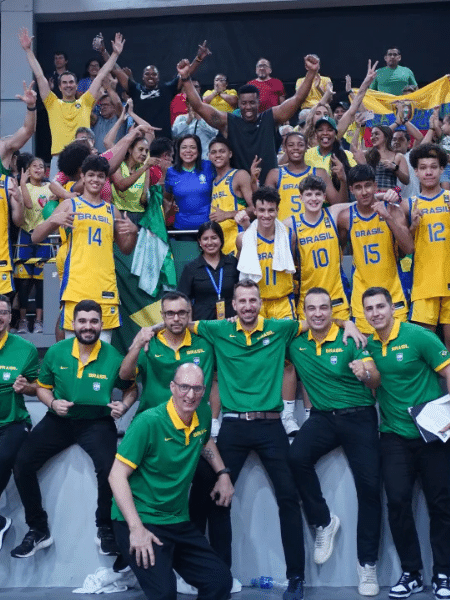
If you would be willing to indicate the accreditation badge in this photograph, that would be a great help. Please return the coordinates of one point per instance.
(220, 310)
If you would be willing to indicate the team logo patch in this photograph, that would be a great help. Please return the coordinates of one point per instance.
(444, 352)
(399, 356)
(96, 386)
(266, 341)
(6, 376)
(333, 360)
(202, 178)
(4, 277)
(77, 105)
(196, 360)
(113, 310)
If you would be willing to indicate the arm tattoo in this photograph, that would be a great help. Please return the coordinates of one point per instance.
(208, 454)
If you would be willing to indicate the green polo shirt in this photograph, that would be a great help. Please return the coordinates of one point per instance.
(157, 366)
(163, 452)
(88, 386)
(250, 364)
(17, 357)
(324, 371)
(409, 362)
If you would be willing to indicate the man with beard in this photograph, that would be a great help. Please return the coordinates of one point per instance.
(76, 381)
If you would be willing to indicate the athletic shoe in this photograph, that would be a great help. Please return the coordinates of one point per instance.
(290, 424)
(5, 524)
(106, 541)
(323, 547)
(409, 583)
(368, 582)
(38, 327)
(294, 590)
(441, 586)
(184, 588)
(215, 428)
(23, 326)
(32, 542)
(237, 586)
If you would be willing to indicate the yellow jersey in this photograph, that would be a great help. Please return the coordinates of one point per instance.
(224, 198)
(274, 284)
(313, 158)
(40, 195)
(5, 242)
(319, 257)
(431, 265)
(287, 186)
(375, 260)
(89, 270)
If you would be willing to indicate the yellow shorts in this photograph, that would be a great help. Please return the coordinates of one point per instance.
(110, 315)
(431, 311)
(361, 323)
(281, 308)
(6, 282)
(61, 256)
(339, 312)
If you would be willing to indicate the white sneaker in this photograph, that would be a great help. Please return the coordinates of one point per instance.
(237, 586)
(290, 423)
(323, 546)
(23, 326)
(215, 428)
(368, 582)
(185, 588)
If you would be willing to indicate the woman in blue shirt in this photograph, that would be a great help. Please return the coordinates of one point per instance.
(189, 184)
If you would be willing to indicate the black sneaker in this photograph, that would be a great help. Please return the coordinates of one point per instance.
(5, 524)
(32, 542)
(409, 583)
(441, 586)
(295, 589)
(106, 541)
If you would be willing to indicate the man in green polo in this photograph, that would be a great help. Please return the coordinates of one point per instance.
(19, 366)
(150, 479)
(337, 377)
(410, 360)
(76, 381)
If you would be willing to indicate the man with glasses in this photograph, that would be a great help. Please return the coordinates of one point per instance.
(271, 90)
(392, 78)
(150, 479)
(18, 372)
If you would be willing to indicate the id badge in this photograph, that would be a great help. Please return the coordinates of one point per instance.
(220, 310)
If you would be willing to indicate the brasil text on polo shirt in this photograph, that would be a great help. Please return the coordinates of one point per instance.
(250, 364)
(409, 362)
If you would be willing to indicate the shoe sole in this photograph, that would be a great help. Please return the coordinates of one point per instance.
(374, 593)
(4, 531)
(100, 551)
(337, 524)
(414, 591)
(39, 546)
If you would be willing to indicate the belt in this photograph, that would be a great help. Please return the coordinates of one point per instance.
(350, 410)
(252, 416)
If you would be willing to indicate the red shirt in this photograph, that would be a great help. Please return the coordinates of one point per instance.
(178, 106)
(270, 91)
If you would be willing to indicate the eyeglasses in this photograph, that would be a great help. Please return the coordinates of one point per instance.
(185, 388)
(171, 314)
(3, 313)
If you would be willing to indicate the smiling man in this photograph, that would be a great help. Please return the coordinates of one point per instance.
(410, 360)
(76, 381)
(392, 78)
(150, 479)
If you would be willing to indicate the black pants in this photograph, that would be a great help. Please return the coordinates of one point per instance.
(12, 437)
(402, 461)
(97, 437)
(357, 433)
(187, 551)
(269, 440)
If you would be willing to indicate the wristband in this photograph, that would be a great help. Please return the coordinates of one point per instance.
(222, 472)
(398, 191)
(32, 109)
(198, 59)
(185, 79)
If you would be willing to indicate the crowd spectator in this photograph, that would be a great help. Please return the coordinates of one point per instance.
(194, 124)
(317, 89)
(90, 73)
(221, 97)
(61, 63)
(271, 90)
(393, 78)
(105, 121)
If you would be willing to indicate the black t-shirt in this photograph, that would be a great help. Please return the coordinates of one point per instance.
(259, 137)
(154, 105)
(196, 283)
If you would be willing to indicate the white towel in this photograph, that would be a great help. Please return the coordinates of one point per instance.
(249, 265)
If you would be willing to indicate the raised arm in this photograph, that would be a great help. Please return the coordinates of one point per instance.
(16, 202)
(25, 41)
(285, 111)
(18, 139)
(202, 52)
(349, 116)
(213, 117)
(117, 46)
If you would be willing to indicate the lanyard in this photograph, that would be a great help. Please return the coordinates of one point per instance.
(218, 288)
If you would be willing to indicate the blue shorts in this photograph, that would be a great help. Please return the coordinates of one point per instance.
(25, 250)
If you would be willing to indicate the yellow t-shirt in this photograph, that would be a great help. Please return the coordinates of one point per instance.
(40, 195)
(129, 199)
(66, 117)
(314, 95)
(219, 103)
(313, 158)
